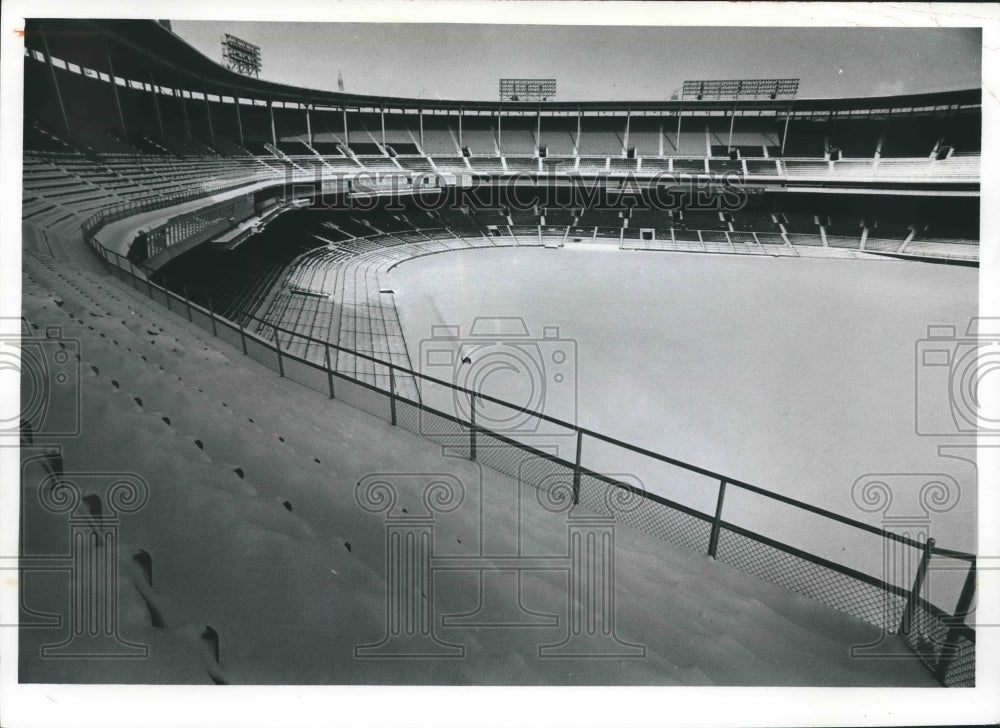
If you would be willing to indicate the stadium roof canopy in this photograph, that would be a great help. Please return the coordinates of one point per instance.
(144, 50)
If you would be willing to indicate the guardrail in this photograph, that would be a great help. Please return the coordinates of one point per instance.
(939, 637)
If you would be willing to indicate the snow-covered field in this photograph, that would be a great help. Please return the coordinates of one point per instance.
(794, 374)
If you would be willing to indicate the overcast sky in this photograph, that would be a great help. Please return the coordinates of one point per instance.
(598, 63)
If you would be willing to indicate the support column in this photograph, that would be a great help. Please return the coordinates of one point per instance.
(381, 117)
(420, 118)
(538, 135)
(156, 99)
(628, 128)
(239, 121)
(309, 128)
(208, 113)
(184, 112)
(114, 91)
(579, 124)
(274, 133)
(347, 141)
(55, 80)
(784, 136)
(732, 120)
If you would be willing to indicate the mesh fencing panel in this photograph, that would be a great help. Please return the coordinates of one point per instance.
(840, 591)
(518, 461)
(648, 516)
(435, 427)
(927, 635)
(306, 373)
(961, 670)
(364, 398)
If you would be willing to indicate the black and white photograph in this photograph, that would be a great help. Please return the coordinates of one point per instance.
(385, 363)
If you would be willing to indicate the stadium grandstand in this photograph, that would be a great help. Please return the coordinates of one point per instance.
(220, 247)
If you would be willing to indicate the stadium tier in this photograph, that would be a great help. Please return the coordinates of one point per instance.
(271, 216)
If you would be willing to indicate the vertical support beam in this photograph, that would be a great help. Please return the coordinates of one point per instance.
(381, 118)
(239, 121)
(328, 366)
(277, 348)
(499, 131)
(184, 112)
(472, 429)
(114, 90)
(784, 136)
(211, 317)
(347, 141)
(420, 118)
(628, 129)
(918, 582)
(576, 467)
(538, 134)
(55, 80)
(677, 142)
(309, 126)
(579, 125)
(187, 303)
(713, 539)
(156, 99)
(274, 133)
(732, 120)
(208, 113)
(392, 395)
(461, 142)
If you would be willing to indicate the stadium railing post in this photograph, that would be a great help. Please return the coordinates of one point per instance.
(950, 649)
(211, 317)
(135, 281)
(243, 338)
(576, 468)
(329, 367)
(918, 581)
(277, 348)
(472, 428)
(166, 294)
(392, 394)
(187, 304)
(713, 540)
